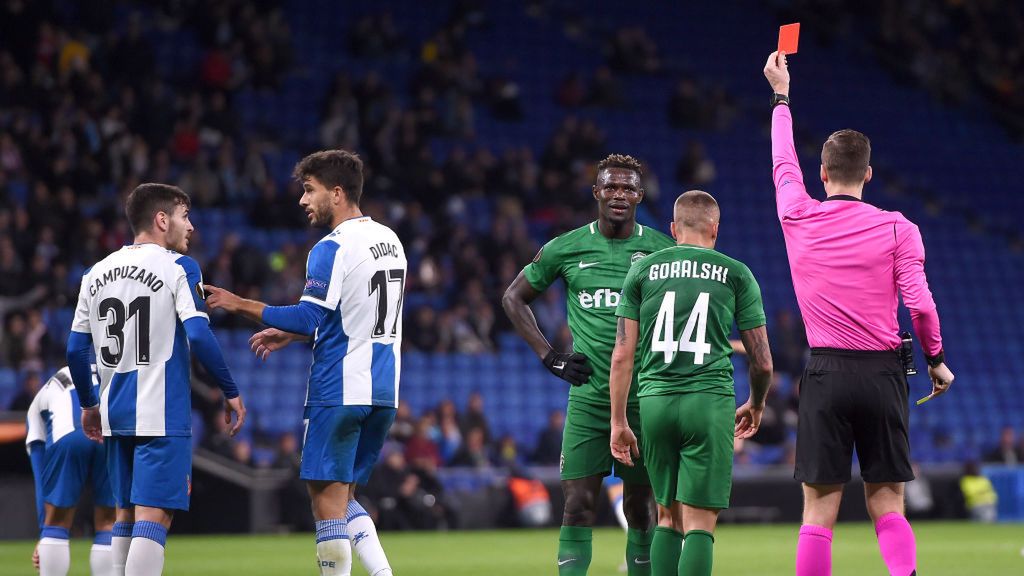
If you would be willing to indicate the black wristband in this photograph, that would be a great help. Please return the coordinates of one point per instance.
(779, 99)
(934, 361)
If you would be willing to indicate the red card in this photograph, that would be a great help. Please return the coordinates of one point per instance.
(789, 37)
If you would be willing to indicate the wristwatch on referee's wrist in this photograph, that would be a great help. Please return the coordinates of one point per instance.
(779, 99)
(934, 361)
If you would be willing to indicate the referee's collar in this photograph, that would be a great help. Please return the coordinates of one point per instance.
(846, 197)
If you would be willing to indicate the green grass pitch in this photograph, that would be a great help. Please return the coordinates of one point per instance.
(944, 549)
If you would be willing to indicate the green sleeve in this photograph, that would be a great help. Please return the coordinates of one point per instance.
(545, 268)
(749, 309)
(629, 301)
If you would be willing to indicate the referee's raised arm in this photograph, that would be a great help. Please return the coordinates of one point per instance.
(850, 263)
(790, 192)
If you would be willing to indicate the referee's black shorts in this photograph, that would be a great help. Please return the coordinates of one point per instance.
(849, 399)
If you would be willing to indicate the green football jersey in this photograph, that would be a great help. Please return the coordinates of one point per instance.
(686, 299)
(593, 268)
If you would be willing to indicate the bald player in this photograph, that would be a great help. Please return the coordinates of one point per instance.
(677, 309)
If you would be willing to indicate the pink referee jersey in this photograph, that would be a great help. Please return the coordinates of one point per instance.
(850, 261)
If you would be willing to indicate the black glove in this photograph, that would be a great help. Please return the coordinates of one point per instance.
(569, 366)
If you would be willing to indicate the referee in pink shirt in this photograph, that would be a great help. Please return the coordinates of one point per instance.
(851, 262)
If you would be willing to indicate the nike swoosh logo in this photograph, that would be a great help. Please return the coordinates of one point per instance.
(587, 265)
(639, 561)
(558, 366)
(566, 561)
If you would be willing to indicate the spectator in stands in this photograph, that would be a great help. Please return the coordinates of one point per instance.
(686, 107)
(605, 90)
(980, 496)
(773, 431)
(473, 453)
(30, 385)
(549, 443)
(421, 452)
(475, 417)
(1008, 452)
(507, 454)
(789, 343)
(219, 441)
(695, 169)
(404, 425)
(918, 495)
(450, 436)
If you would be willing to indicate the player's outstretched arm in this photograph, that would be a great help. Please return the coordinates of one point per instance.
(623, 442)
(759, 359)
(569, 366)
(221, 299)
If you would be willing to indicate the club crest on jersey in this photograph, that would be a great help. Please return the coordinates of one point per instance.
(636, 256)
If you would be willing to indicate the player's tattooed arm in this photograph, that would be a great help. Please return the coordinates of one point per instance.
(516, 303)
(623, 357)
(759, 359)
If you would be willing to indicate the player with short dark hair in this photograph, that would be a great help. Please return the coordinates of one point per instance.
(592, 261)
(142, 310)
(851, 264)
(63, 462)
(352, 309)
(677, 309)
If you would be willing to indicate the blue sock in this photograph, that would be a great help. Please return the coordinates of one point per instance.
(355, 510)
(151, 530)
(122, 529)
(54, 532)
(331, 529)
(102, 538)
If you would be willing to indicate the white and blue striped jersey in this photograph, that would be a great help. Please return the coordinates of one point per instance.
(134, 303)
(357, 272)
(55, 412)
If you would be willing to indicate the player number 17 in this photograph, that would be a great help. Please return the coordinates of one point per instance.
(379, 284)
(664, 340)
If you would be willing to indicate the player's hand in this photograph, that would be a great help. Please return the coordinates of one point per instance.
(219, 298)
(748, 420)
(270, 340)
(35, 557)
(777, 72)
(234, 405)
(572, 367)
(623, 444)
(91, 424)
(941, 377)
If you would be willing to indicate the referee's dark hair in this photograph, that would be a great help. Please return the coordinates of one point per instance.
(148, 199)
(846, 156)
(334, 168)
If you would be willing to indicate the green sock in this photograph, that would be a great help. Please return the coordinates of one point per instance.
(638, 552)
(574, 550)
(697, 553)
(665, 549)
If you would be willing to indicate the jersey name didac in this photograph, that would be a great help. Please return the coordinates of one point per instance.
(686, 299)
(357, 272)
(593, 267)
(134, 302)
(55, 411)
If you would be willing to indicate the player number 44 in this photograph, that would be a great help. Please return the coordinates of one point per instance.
(694, 333)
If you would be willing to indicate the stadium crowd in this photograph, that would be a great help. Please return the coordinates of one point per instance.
(86, 115)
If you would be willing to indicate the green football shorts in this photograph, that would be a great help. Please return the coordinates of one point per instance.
(586, 444)
(688, 447)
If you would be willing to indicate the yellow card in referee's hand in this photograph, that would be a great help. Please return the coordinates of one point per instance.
(925, 399)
